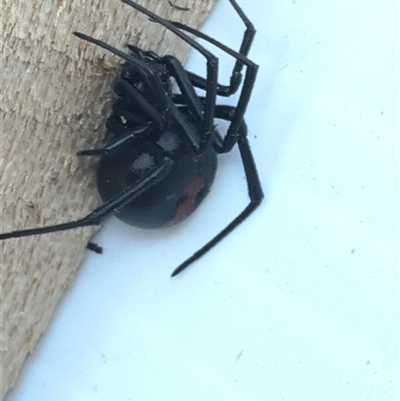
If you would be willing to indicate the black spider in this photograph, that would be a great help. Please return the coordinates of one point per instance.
(161, 157)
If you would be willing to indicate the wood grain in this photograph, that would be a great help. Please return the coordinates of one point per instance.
(56, 95)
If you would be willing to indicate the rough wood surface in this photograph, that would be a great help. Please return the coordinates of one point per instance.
(56, 94)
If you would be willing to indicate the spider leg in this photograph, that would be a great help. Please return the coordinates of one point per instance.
(149, 76)
(140, 101)
(253, 184)
(118, 143)
(191, 99)
(188, 130)
(107, 209)
(232, 134)
(188, 93)
(114, 123)
(175, 68)
(212, 72)
(236, 76)
(143, 53)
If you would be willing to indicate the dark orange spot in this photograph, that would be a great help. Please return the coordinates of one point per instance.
(188, 204)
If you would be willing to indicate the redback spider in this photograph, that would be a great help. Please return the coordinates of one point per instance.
(161, 156)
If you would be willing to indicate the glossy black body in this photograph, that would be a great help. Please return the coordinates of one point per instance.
(190, 178)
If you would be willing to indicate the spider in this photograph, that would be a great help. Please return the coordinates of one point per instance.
(161, 156)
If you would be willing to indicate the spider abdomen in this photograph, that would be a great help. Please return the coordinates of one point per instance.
(167, 202)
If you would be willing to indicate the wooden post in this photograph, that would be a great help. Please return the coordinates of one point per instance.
(56, 95)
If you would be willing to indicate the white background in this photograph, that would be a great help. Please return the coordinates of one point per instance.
(300, 302)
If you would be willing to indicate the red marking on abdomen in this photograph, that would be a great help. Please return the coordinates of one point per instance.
(188, 204)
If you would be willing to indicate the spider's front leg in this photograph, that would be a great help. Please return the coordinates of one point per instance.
(236, 75)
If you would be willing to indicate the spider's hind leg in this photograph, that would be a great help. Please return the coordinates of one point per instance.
(253, 186)
(98, 215)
